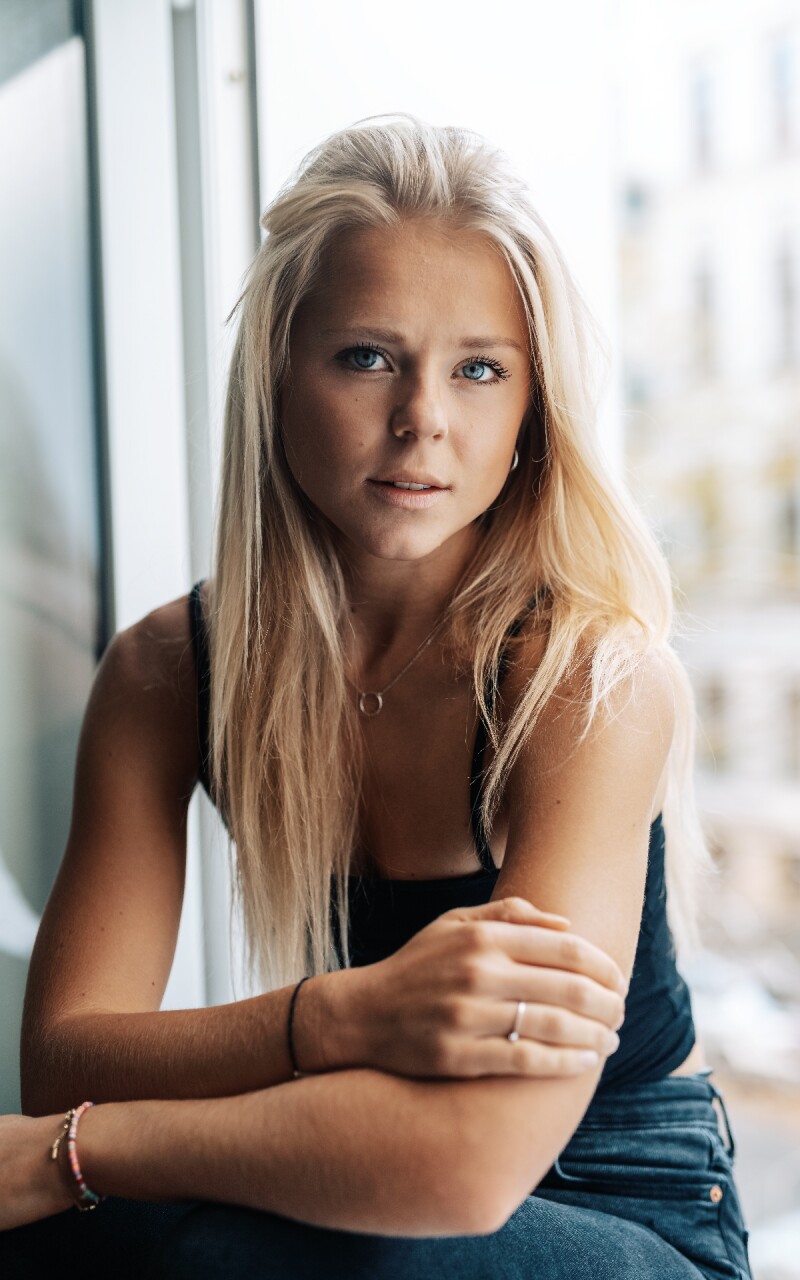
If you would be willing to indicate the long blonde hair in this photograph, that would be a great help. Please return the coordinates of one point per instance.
(285, 745)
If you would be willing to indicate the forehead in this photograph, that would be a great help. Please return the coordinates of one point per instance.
(417, 272)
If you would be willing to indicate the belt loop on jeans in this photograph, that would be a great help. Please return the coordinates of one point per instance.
(730, 1142)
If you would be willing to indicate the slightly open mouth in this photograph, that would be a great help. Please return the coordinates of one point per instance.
(409, 488)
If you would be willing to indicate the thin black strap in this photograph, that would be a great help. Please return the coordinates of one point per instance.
(477, 773)
(203, 669)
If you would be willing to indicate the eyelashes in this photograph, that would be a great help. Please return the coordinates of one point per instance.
(474, 362)
(488, 362)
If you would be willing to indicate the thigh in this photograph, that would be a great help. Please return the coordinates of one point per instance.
(671, 1174)
(541, 1241)
(117, 1239)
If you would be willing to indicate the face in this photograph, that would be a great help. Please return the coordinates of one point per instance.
(409, 364)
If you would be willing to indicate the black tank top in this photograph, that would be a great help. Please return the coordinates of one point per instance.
(658, 1031)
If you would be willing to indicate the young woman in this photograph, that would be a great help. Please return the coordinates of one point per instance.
(430, 688)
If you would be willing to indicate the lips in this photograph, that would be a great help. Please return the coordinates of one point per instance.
(401, 495)
(405, 478)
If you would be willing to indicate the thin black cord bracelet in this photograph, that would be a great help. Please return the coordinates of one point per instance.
(295, 1070)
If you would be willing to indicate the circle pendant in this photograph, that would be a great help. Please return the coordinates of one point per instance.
(369, 704)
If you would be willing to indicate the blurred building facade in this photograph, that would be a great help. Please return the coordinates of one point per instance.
(709, 253)
(710, 291)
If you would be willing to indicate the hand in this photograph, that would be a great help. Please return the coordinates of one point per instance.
(32, 1186)
(443, 1004)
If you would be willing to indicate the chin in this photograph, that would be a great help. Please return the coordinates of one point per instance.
(401, 545)
(402, 549)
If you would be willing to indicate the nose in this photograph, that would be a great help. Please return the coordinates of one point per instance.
(420, 413)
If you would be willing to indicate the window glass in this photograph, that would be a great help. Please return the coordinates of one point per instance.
(50, 614)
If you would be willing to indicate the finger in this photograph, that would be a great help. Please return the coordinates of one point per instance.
(548, 1024)
(573, 993)
(510, 909)
(547, 1015)
(559, 950)
(553, 1025)
(497, 1056)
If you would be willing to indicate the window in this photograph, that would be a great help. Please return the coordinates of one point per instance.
(702, 305)
(788, 513)
(52, 622)
(712, 746)
(781, 87)
(792, 759)
(785, 283)
(700, 119)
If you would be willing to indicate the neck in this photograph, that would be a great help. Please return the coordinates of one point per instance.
(394, 604)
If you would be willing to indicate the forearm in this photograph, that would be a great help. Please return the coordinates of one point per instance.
(356, 1150)
(191, 1053)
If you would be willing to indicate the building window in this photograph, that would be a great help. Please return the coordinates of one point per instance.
(782, 479)
(712, 745)
(793, 731)
(781, 91)
(635, 205)
(789, 523)
(702, 309)
(637, 389)
(700, 119)
(786, 305)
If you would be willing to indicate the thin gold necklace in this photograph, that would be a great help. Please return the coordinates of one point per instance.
(370, 703)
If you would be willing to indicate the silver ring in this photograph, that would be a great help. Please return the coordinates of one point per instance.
(514, 1032)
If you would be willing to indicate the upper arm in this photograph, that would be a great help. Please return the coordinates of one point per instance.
(580, 814)
(108, 932)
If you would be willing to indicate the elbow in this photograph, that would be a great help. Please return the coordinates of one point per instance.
(468, 1207)
(453, 1190)
(33, 1077)
(44, 1074)
(493, 1201)
(478, 1193)
(487, 1207)
(494, 1178)
(34, 1097)
(481, 1207)
(39, 1095)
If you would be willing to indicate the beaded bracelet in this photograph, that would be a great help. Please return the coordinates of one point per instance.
(86, 1199)
(297, 1074)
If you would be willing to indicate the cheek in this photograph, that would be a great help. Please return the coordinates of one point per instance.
(322, 433)
(488, 445)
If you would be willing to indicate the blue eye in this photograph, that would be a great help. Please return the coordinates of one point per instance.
(475, 370)
(363, 358)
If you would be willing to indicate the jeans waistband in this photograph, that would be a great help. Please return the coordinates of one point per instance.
(673, 1099)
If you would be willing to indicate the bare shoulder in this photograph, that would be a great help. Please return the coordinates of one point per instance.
(145, 689)
(639, 699)
(154, 653)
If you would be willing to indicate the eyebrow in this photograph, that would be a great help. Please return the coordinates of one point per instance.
(391, 335)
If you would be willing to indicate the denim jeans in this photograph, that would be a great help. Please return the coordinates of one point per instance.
(644, 1190)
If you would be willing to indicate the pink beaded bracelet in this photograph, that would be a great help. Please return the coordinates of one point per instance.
(86, 1199)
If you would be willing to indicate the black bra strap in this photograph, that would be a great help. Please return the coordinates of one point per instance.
(203, 666)
(477, 774)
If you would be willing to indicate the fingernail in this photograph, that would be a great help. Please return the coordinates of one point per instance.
(588, 1058)
(622, 986)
